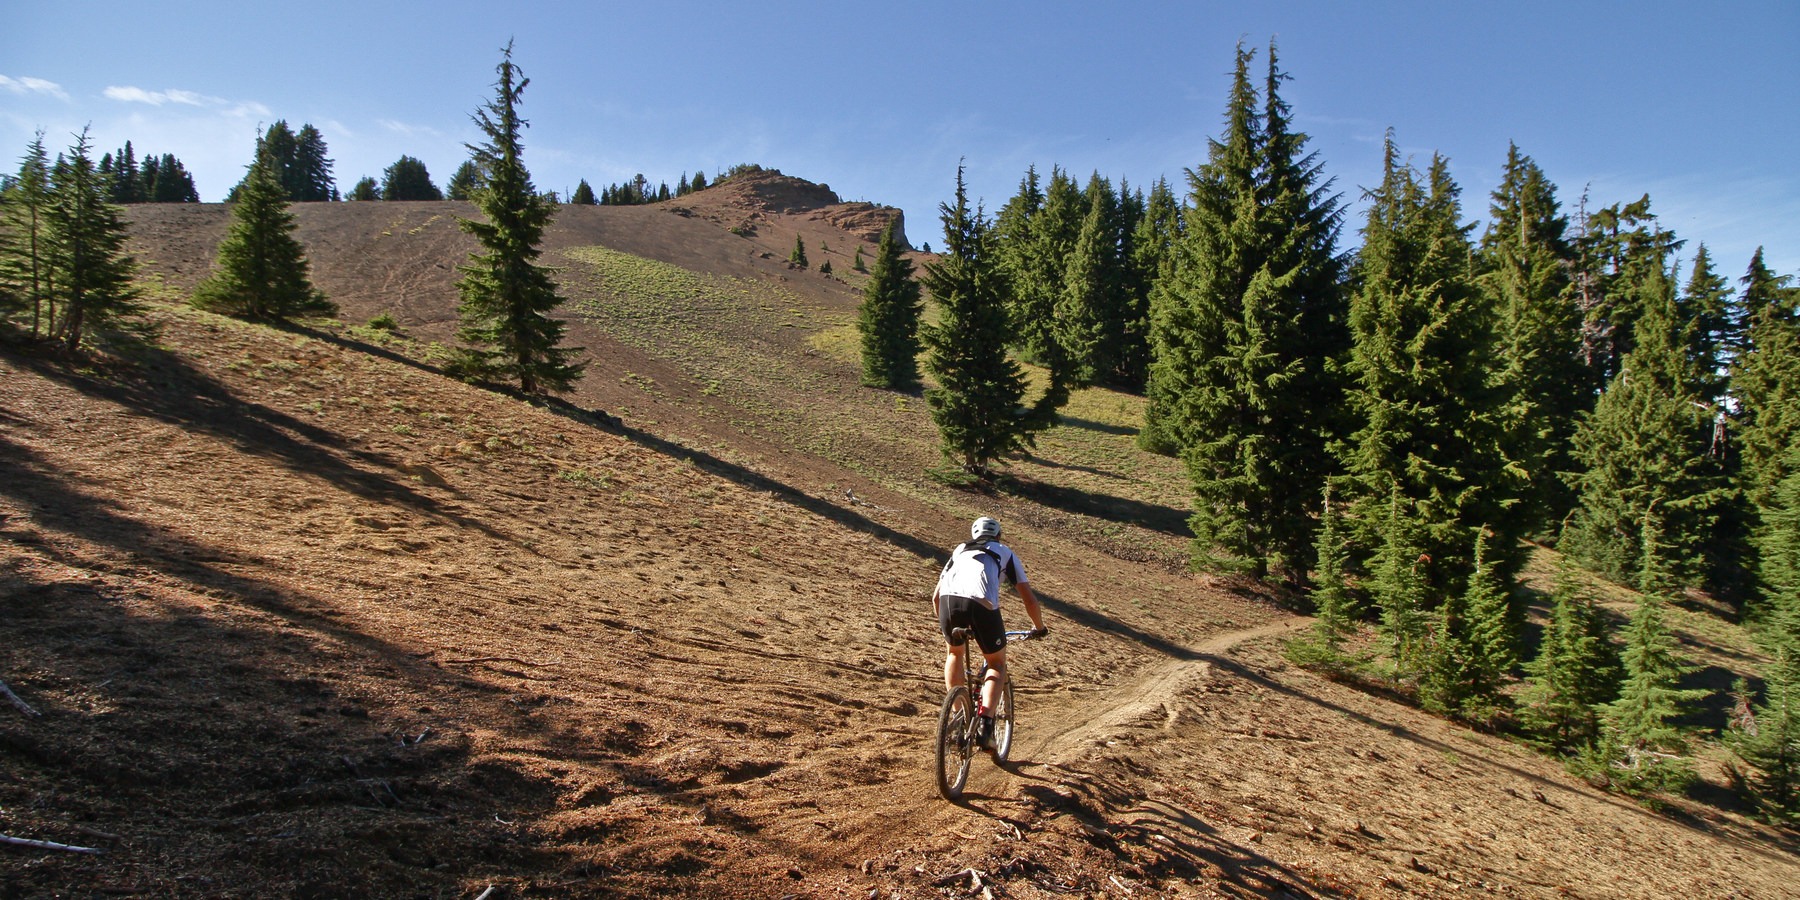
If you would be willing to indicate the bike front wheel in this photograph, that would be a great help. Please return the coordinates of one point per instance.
(955, 744)
(1003, 721)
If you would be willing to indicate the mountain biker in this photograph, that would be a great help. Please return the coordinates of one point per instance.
(968, 595)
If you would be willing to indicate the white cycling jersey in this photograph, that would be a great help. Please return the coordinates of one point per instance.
(975, 571)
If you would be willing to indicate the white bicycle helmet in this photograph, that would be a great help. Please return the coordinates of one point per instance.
(985, 528)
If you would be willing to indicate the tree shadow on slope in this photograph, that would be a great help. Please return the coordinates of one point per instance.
(163, 387)
(1255, 676)
(750, 479)
(1102, 427)
(1189, 846)
(275, 756)
(1105, 507)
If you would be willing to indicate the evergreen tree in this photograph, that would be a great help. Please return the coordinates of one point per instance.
(1082, 314)
(1035, 239)
(889, 320)
(1765, 381)
(93, 276)
(1778, 570)
(1154, 234)
(979, 389)
(1642, 740)
(1017, 253)
(466, 180)
(1621, 263)
(798, 256)
(299, 162)
(583, 196)
(859, 265)
(1426, 390)
(261, 272)
(282, 146)
(1525, 258)
(1242, 330)
(407, 179)
(699, 182)
(1713, 328)
(170, 182)
(309, 179)
(1472, 647)
(506, 297)
(27, 257)
(1649, 446)
(1576, 670)
(1400, 588)
(1768, 738)
(122, 169)
(366, 188)
(1334, 607)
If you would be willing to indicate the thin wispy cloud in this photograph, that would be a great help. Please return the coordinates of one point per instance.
(409, 130)
(158, 98)
(237, 109)
(28, 85)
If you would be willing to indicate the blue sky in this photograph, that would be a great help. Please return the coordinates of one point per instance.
(1696, 104)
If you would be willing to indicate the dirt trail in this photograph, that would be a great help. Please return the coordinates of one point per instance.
(1060, 729)
(1150, 697)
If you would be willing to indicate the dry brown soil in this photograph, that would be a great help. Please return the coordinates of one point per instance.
(300, 617)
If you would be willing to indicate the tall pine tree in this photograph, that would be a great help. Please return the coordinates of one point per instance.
(979, 389)
(507, 297)
(27, 260)
(1429, 400)
(1765, 380)
(1242, 332)
(93, 286)
(1649, 447)
(889, 319)
(261, 271)
(1525, 258)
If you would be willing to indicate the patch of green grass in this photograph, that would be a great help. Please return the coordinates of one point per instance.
(583, 477)
(839, 342)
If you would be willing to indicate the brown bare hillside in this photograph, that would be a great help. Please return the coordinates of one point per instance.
(300, 617)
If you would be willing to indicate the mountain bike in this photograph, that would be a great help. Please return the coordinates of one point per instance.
(959, 723)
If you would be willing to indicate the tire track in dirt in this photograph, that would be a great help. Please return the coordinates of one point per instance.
(1069, 735)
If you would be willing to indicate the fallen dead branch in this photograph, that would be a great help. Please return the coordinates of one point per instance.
(492, 659)
(46, 845)
(1266, 733)
(969, 873)
(21, 704)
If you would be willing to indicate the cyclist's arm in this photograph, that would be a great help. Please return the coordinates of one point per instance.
(1032, 607)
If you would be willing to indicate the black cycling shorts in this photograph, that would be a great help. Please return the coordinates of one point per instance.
(989, 627)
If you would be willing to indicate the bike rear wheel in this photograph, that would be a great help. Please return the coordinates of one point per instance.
(955, 748)
(1003, 721)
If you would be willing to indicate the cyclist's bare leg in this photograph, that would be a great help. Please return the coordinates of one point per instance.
(996, 676)
(953, 665)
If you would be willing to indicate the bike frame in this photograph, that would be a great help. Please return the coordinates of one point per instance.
(959, 722)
